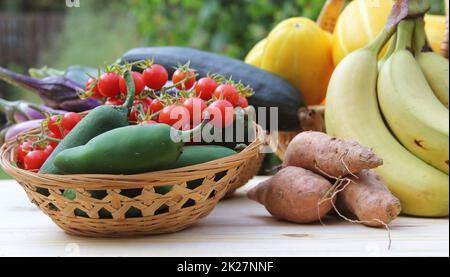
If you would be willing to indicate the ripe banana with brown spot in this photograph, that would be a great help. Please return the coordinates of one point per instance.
(352, 112)
(413, 112)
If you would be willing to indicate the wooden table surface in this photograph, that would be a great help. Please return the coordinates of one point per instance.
(237, 227)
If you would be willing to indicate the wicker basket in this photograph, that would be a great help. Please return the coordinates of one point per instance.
(311, 119)
(131, 205)
(250, 170)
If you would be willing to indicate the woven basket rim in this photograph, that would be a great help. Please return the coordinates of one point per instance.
(107, 181)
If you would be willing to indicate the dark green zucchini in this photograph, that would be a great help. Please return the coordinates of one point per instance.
(270, 90)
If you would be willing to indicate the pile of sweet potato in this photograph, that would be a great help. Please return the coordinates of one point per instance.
(320, 174)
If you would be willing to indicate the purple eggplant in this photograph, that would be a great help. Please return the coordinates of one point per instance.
(37, 111)
(22, 116)
(57, 92)
(21, 111)
(19, 128)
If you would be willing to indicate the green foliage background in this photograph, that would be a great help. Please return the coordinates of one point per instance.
(230, 27)
(100, 31)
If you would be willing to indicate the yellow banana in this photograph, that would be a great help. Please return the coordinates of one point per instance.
(352, 112)
(412, 111)
(434, 66)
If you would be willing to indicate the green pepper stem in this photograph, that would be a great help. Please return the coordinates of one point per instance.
(187, 135)
(129, 101)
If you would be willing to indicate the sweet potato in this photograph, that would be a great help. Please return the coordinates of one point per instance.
(329, 156)
(295, 194)
(368, 198)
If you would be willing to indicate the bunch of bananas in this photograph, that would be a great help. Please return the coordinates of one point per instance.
(400, 109)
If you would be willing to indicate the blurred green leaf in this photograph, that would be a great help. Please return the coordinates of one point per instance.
(230, 27)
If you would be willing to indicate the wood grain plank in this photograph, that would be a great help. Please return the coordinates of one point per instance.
(237, 227)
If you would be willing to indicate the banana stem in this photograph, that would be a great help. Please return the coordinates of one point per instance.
(420, 37)
(391, 48)
(382, 39)
(399, 12)
(418, 7)
(405, 35)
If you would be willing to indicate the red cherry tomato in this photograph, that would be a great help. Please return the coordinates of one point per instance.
(54, 124)
(114, 102)
(148, 122)
(108, 85)
(35, 159)
(48, 151)
(94, 88)
(134, 114)
(54, 144)
(155, 77)
(186, 75)
(146, 102)
(195, 106)
(138, 83)
(175, 116)
(205, 88)
(243, 102)
(23, 150)
(70, 120)
(156, 106)
(221, 113)
(227, 92)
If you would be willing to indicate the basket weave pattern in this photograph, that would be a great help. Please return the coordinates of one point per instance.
(249, 170)
(131, 205)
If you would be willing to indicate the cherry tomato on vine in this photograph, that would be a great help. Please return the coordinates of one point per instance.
(243, 102)
(108, 85)
(35, 159)
(114, 102)
(175, 116)
(70, 120)
(94, 88)
(156, 106)
(138, 83)
(146, 102)
(135, 111)
(195, 106)
(53, 125)
(54, 136)
(148, 122)
(187, 76)
(205, 88)
(23, 150)
(48, 151)
(221, 113)
(155, 77)
(227, 92)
